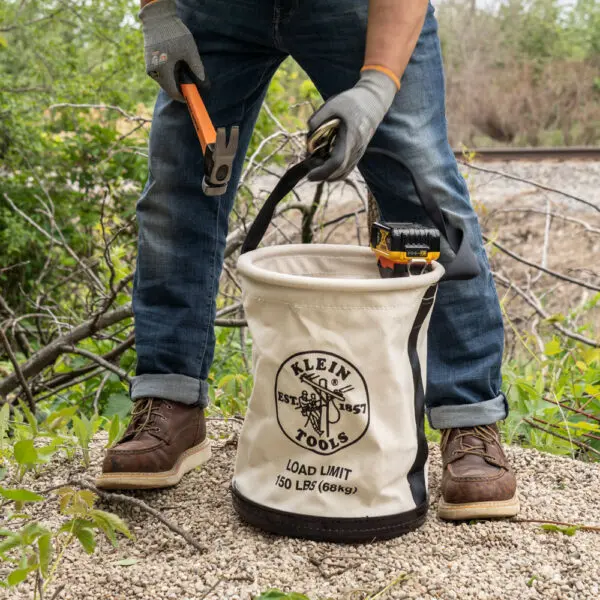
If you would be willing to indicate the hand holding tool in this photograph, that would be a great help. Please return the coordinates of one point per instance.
(218, 152)
(169, 44)
(359, 111)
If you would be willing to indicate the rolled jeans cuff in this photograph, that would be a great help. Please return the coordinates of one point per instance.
(171, 386)
(468, 415)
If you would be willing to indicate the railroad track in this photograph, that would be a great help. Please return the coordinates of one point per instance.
(534, 154)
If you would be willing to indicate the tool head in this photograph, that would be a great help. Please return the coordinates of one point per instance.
(320, 142)
(218, 162)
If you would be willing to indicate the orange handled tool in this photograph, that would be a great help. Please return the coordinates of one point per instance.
(218, 153)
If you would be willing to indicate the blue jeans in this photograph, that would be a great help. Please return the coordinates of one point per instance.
(182, 232)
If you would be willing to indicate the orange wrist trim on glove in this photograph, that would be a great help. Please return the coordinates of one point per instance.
(384, 70)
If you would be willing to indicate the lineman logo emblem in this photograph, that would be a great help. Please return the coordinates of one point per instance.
(322, 401)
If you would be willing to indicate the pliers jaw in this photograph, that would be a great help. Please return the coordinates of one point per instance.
(218, 162)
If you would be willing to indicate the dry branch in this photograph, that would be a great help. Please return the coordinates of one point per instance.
(18, 372)
(538, 308)
(530, 182)
(123, 499)
(48, 355)
(520, 259)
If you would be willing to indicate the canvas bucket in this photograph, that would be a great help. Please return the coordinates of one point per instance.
(333, 444)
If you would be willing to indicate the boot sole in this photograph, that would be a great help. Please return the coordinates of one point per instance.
(479, 510)
(189, 460)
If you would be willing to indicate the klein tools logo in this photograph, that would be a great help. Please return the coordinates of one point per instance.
(322, 401)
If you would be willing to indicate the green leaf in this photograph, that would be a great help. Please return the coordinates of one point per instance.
(81, 429)
(32, 531)
(59, 418)
(75, 502)
(11, 542)
(25, 452)
(86, 538)
(4, 417)
(552, 348)
(569, 530)
(45, 552)
(278, 595)
(118, 404)
(127, 562)
(19, 575)
(30, 417)
(109, 523)
(115, 429)
(528, 389)
(20, 495)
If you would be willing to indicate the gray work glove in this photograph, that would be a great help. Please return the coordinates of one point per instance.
(168, 47)
(360, 109)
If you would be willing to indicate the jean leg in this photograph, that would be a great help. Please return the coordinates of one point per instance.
(182, 231)
(466, 334)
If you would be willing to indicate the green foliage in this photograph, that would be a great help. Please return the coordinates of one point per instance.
(231, 382)
(64, 161)
(569, 530)
(278, 595)
(37, 549)
(545, 30)
(555, 399)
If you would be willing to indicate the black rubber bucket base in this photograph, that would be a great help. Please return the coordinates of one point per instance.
(326, 529)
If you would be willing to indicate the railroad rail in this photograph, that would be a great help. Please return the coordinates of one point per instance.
(534, 154)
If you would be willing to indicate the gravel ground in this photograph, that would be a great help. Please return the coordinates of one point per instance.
(499, 560)
(579, 178)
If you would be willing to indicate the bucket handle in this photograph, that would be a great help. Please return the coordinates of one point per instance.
(463, 266)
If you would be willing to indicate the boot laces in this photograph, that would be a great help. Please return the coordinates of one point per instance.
(144, 417)
(485, 433)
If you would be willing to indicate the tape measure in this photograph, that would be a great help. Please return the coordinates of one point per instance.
(404, 249)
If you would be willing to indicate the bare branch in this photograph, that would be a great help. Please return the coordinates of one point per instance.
(97, 359)
(538, 308)
(18, 372)
(530, 182)
(130, 500)
(520, 259)
(61, 243)
(47, 355)
(118, 109)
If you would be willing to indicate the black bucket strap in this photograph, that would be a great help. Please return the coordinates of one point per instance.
(463, 266)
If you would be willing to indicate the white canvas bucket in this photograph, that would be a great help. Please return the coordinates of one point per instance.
(333, 445)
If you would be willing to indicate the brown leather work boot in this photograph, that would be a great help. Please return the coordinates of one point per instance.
(477, 482)
(163, 442)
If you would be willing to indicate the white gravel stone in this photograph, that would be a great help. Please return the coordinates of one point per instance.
(501, 560)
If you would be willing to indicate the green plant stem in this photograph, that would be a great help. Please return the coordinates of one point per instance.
(400, 579)
(580, 445)
(59, 558)
(573, 409)
(518, 335)
(559, 523)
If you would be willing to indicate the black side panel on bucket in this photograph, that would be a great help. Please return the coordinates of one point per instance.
(416, 475)
(326, 529)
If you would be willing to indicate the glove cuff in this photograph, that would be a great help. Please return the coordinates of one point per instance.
(158, 10)
(385, 70)
(381, 86)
